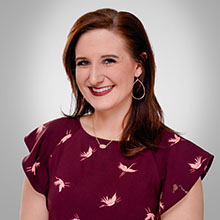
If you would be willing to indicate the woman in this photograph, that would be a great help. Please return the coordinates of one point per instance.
(114, 158)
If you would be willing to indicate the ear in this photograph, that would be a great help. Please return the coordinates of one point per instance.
(144, 55)
(138, 70)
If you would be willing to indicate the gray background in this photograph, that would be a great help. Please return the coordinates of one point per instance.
(185, 38)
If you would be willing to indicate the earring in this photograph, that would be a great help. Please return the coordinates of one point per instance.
(141, 97)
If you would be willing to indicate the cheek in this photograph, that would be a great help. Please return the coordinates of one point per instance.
(126, 75)
(79, 83)
(79, 78)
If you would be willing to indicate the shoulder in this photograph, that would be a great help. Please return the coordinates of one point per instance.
(174, 145)
(51, 131)
(65, 121)
(171, 140)
(59, 124)
(176, 152)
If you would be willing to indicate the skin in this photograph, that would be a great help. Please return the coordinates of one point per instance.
(33, 204)
(101, 61)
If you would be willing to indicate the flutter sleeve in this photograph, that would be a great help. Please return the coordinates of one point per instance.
(35, 164)
(184, 163)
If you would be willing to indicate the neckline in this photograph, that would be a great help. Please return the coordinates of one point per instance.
(92, 136)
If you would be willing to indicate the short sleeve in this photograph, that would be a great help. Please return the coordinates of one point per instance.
(185, 162)
(35, 164)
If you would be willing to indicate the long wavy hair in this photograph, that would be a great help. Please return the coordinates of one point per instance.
(145, 117)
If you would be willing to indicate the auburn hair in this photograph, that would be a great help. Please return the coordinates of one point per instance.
(145, 117)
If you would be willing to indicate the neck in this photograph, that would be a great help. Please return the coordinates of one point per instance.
(108, 126)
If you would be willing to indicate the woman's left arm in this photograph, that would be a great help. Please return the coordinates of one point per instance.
(190, 207)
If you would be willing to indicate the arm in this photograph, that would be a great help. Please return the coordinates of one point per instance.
(190, 207)
(33, 205)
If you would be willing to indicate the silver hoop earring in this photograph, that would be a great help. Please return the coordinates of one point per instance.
(141, 97)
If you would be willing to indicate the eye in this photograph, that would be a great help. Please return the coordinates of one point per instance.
(109, 61)
(82, 63)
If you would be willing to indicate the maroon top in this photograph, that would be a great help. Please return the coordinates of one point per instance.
(82, 181)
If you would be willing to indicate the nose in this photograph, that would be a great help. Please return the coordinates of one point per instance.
(96, 76)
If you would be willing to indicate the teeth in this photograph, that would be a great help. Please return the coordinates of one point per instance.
(102, 89)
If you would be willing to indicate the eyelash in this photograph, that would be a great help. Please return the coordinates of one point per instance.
(109, 61)
(82, 63)
(85, 63)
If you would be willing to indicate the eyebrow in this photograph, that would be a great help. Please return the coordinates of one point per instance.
(110, 55)
(104, 56)
(80, 58)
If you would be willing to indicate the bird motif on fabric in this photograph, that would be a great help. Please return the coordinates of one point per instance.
(150, 215)
(179, 187)
(87, 154)
(66, 137)
(126, 169)
(110, 201)
(161, 204)
(33, 168)
(40, 129)
(61, 184)
(197, 163)
(76, 217)
(174, 140)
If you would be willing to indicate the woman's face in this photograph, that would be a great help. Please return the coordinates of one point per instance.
(105, 70)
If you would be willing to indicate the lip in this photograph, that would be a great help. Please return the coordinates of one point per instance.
(102, 92)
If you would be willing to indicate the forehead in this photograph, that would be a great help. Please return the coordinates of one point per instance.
(100, 41)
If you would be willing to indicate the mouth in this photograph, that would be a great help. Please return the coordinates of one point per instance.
(101, 91)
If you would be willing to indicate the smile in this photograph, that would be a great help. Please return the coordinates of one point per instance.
(100, 91)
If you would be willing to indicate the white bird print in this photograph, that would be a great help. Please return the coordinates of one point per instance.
(177, 187)
(40, 129)
(87, 154)
(76, 217)
(197, 164)
(174, 140)
(110, 201)
(66, 137)
(150, 215)
(59, 182)
(33, 168)
(161, 205)
(126, 169)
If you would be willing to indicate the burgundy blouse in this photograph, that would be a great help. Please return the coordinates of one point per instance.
(82, 181)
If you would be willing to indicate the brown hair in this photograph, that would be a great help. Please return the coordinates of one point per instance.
(145, 117)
